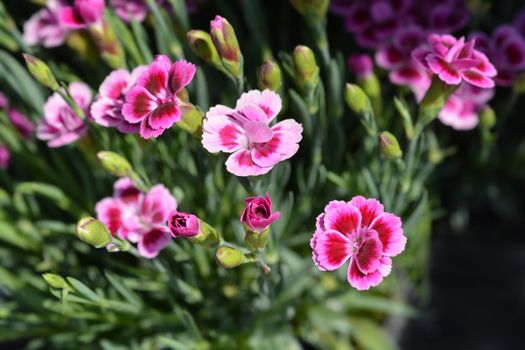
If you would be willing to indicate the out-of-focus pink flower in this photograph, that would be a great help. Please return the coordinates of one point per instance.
(45, 28)
(506, 49)
(82, 14)
(128, 9)
(183, 224)
(245, 131)
(3, 101)
(5, 156)
(107, 109)
(138, 217)
(153, 101)
(258, 214)
(519, 22)
(461, 111)
(361, 65)
(361, 231)
(454, 60)
(60, 125)
(24, 126)
(447, 16)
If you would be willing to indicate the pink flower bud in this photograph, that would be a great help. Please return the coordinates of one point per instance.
(361, 65)
(183, 224)
(258, 213)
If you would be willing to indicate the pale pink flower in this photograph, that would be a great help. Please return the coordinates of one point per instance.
(45, 28)
(138, 217)
(361, 231)
(153, 101)
(21, 123)
(246, 132)
(60, 125)
(183, 224)
(128, 9)
(258, 213)
(82, 14)
(5, 157)
(454, 60)
(107, 108)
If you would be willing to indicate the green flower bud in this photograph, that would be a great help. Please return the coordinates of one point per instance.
(269, 76)
(229, 257)
(225, 41)
(207, 236)
(357, 100)
(91, 231)
(313, 10)
(487, 118)
(306, 68)
(115, 164)
(389, 146)
(191, 119)
(55, 281)
(257, 240)
(41, 72)
(201, 43)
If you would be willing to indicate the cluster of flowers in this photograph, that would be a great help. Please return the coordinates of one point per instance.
(398, 29)
(51, 25)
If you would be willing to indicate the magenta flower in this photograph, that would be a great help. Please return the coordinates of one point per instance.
(258, 214)
(153, 101)
(361, 65)
(462, 107)
(45, 28)
(82, 14)
(183, 224)
(138, 217)
(454, 60)
(3, 101)
(24, 126)
(107, 109)
(519, 22)
(361, 231)
(60, 125)
(128, 9)
(5, 157)
(245, 131)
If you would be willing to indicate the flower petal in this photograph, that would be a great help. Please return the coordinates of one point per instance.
(345, 219)
(359, 280)
(181, 74)
(157, 205)
(444, 70)
(164, 116)
(478, 79)
(240, 163)
(369, 208)
(147, 132)
(330, 250)
(153, 242)
(369, 253)
(390, 232)
(139, 103)
(267, 100)
(155, 79)
(221, 134)
(110, 214)
(70, 19)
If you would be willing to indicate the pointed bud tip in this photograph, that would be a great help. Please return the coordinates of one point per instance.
(91, 231)
(389, 146)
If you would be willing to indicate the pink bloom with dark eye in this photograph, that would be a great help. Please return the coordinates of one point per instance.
(153, 101)
(107, 109)
(359, 231)
(138, 217)
(258, 214)
(5, 156)
(60, 125)
(82, 14)
(454, 60)
(361, 65)
(24, 126)
(246, 132)
(45, 28)
(183, 224)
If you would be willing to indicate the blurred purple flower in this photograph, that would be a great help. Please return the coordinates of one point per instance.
(82, 14)
(361, 65)
(45, 27)
(24, 126)
(5, 156)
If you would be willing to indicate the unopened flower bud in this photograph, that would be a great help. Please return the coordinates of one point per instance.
(313, 10)
(41, 72)
(229, 257)
(183, 224)
(55, 281)
(115, 164)
(208, 236)
(92, 231)
(356, 99)
(257, 240)
(269, 76)
(225, 41)
(191, 120)
(306, 68)
(201, 43)
(389, 146)
(487, 118)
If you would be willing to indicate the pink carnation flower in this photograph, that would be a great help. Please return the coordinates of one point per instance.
(454, 60)
(246, 132)
(107, 109)
(60, 125)
(128, 9)
(24, 126)
(5, 156)
(82, 14)
(183, 224)
(361, 231)
(258, 213)
(153, 101)
(138, 217)
(45, 28)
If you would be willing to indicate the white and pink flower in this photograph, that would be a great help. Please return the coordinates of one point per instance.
(359, 231)
(245, 132)
(153, 101)
(45, 27)
(138, 217)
